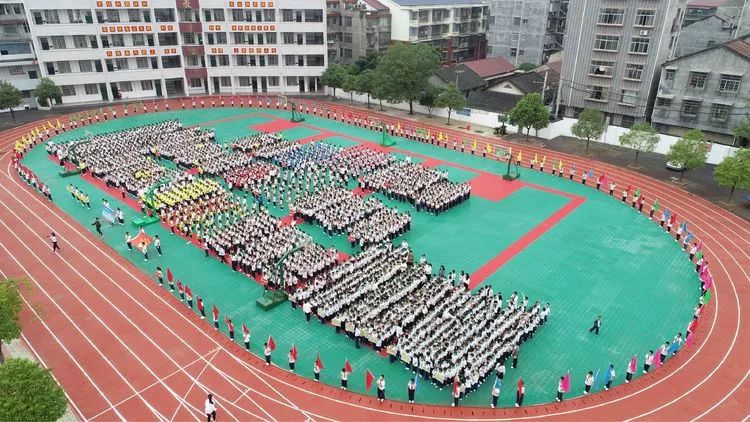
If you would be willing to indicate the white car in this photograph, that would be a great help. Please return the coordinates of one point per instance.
(673, 165)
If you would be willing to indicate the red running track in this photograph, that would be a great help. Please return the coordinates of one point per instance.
(124, 349)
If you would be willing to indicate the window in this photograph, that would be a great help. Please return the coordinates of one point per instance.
(514, 36)
(244, 80)
(147, 85)
(720, 112)
(68, 90)
(597, 93)
(347, 37)
(710, 43)
(645, 17)
(513, 52)
(63, 67)
(633, 71)
(126, 86)
(141, 63)
(601, 68)
(290, 60)
(58, 42)
(273, 60)
(122, 64)
(139, 40)
(117, 40)
(196, 82)
(669, 74)
(606, 42)
(287, 15)
(85, 66)
(273, 81)
(730, 83)
(134, 15)
(291, 81)
(288, 37)
(113, 15)
(639, 45)
(516, 21)
(16, 70)
(91, 89)
(225, 81)
(690, 107)
(628, 97)
(79, 41)
(662, 102)
(219, 15)
(609, 16)
(51, 16)
(697, 80)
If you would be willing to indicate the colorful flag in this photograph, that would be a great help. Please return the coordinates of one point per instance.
(319, 362)
(293, 352)
(596, 379)
(271, 343)
(108, 214)
(369, 378)
(709, 283)
(683, 226)
(536, 158)
(608, 374)
(706, 297)
(590, 173)
(188, 292)
(170, 277)
(689, 339)
(348, 366)
(498, 383)
(456, 386)
(245, 330)
(633, 364)
(520, 156)
(689, 237)
(544, 159)
(673, 347)
(655, 207)
(667, 214)
(215, 313)
(657, 357)
(700, 246)
(628, 189)
(566, 382)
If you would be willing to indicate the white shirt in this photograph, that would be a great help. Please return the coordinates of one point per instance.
(210, 407)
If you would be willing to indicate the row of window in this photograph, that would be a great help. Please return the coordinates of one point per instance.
(93, 89)
(718, 112)
(627, 97)
(616, 16)
(606, 68)
(728, 83)
(53, 16)
(270, 60)
(638, 45)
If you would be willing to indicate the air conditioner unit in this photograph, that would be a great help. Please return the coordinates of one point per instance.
(644, 32)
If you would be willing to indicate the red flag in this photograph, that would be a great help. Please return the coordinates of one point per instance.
(230, 326)
(293, 352)
(170, 277)
(347, 367)
(179, 287)
(216, 313)
(319, 362)
(566, 382)
(188, 292)
(456, 386)
(245, 331)
(693, 325)
(633, 364)
(369, 378)
(602, 177)
(673, 218)
(271, 343)
(657, 358)
(200, 303)
(689, 339)
(628, 189)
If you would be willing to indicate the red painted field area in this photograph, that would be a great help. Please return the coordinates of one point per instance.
(124, 349)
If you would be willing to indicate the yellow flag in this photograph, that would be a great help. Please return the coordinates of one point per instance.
(398, 126)
(44, 126)
(37, 131)
(559, 165)
(58, 124)
(536, 158)
(50, 124)
(475, 145)
(520, 156)
(544, 159)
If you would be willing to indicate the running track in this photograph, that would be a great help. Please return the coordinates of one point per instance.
(124, 349)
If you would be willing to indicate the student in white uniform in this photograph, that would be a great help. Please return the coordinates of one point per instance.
(210, 408)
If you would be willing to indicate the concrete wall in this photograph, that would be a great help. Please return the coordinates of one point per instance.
(696, 36)
(529, 36)
(555, 129)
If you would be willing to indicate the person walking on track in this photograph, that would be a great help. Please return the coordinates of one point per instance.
(98, 226)
(53, 239)
(210, 408)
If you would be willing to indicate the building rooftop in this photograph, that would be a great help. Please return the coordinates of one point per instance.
(705, 4)
(739, 46)
(437, 2)
(527, 82)
(467, 79)
(375, 4)
(486, 68)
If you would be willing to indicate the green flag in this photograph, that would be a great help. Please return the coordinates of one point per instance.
(637, 193)
(699, 255)
(707, 297)
(656, 205)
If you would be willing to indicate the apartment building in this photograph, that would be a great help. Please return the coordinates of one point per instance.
(526, 31)
(356, 27)
(102, 50)
(613, 56)
(17, 59)
(456, 27)
(708, 90)
(729, 21)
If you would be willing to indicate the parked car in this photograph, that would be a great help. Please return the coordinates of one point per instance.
(673, 165)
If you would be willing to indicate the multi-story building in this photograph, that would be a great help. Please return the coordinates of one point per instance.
(17, 59)
(613, 56)
(456, 27)
(699, 9)
(728, 22)
(526, 31)
(708, 90)
(356, 27)
(100, 50)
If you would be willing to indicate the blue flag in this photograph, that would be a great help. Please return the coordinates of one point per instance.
(673, 348)
(667, 214)
(608, 374)
(498, 383)
(689, 237)
(684, 226)
(596, 380)
(591, 173)
(108, 214)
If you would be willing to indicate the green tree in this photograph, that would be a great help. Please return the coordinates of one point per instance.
(690, 151)
(743, 130)
(29, 393)
(10, 97)
(734, 171)
(381, 91)
(428, 97)
(334, 77)
(640, 137)
(406, 68)
(366, 83)
(350, 86)
(452, 99)
(590, 125)
(502, 118)
(530, 112)
(368, 61)
(10, 306)
(527, 66)
(46, 91)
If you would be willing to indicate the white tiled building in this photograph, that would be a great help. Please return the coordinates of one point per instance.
(103, 50)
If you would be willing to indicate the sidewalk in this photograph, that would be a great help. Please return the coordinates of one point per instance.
(699, 181)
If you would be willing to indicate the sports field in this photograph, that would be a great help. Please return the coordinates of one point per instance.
(554, 240)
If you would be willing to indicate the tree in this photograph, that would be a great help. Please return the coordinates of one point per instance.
(690, 151)
(334, 76)
(502, 118)
(428, 97)
(29, 392)
(350, 85)
(10, 306)
(368, 61)
(46, 91)
(743, 130)
(640, 137)
(406, 68)
(452, 99)
(734, 171)
(380, 90)
(366, 83)
(530, 112)
(590, 125)
(527, 66)
(10, 98)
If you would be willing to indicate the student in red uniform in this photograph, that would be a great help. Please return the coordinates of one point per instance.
(215, 313)
(230, 327)
(189, 296)
(520, 392)
(200, 307)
